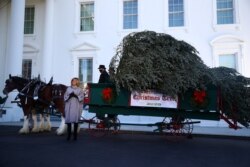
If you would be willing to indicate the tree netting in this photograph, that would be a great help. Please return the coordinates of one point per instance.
(149, 60)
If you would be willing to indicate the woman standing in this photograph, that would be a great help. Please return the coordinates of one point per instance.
(73, 98)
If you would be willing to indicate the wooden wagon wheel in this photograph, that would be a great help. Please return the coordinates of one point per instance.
(181, 126)
(187, 127)
(176, 126)
(113, 125)
(165, 126)
(97, 127)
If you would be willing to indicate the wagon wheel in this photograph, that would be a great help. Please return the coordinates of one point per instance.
(187, 127)
(176, 125)
(114, 125)
(97, 127)
(165, 126)
(181, 126)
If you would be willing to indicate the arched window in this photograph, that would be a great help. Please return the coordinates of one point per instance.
(83, 57)
(228, 51)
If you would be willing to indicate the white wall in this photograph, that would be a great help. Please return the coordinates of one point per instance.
(108, 33)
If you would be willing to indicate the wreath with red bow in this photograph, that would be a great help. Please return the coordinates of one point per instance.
(199, 99)
(108, 95)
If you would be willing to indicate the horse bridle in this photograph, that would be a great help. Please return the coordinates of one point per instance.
(24, 88)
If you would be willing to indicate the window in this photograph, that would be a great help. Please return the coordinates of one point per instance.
(176, 13)
(26, 68)
(83, 57)
(130, 14)
(228, 51)
(85, 70)
(87, 17)
(225, 11)
(29, 20)
(227, 60)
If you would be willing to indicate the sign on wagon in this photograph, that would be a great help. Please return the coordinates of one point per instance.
(152, 99)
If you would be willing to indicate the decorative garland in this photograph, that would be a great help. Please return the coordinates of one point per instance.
(108, 95)
(199, 99)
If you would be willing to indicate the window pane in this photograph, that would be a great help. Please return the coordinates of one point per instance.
(87, 24)
(27, 68)
(221, 4)
(225, 12)
(29, 20)
(227, 60)
(176, 13)
(85, 70)
(87, 17)
(130, 14)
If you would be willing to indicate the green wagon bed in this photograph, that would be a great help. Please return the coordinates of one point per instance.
(104, 100)
(176, 112)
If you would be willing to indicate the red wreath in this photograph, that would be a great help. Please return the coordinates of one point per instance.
(200, 99)
(108, 95)
(199, 96)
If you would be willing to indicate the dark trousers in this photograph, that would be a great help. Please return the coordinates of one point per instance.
(69, 131)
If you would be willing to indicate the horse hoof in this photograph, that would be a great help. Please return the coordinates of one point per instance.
(35, 130)
(60, 132)
(23, 131)
(48, 128)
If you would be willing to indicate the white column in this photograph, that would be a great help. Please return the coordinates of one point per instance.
(47, 59)
(14, 53)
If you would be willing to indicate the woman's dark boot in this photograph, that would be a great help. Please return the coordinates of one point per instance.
(75, 130)
(69, 131)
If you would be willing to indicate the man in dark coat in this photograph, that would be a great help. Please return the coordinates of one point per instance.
(104, 77)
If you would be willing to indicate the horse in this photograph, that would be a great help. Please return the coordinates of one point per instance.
(53, 95)
(36, 96)
(27, 93)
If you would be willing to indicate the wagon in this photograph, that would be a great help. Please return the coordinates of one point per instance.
(176, 112)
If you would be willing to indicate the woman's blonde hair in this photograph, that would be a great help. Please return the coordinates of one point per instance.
(77, 81)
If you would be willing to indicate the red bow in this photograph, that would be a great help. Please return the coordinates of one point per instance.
(199, 96)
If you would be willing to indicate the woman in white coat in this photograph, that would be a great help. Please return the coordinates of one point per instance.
(73, 98)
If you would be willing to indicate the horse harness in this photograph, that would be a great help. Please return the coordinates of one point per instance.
(27, 92)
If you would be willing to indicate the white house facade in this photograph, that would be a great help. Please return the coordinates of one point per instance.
(71, 38)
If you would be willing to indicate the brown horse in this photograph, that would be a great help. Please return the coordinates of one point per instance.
(53, 95)
(27, 93)
(37, 97)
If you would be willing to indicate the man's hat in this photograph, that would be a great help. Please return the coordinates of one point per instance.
(102, 66)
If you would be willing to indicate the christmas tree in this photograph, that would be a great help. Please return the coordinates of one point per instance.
(235, 94)
(149, 60)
